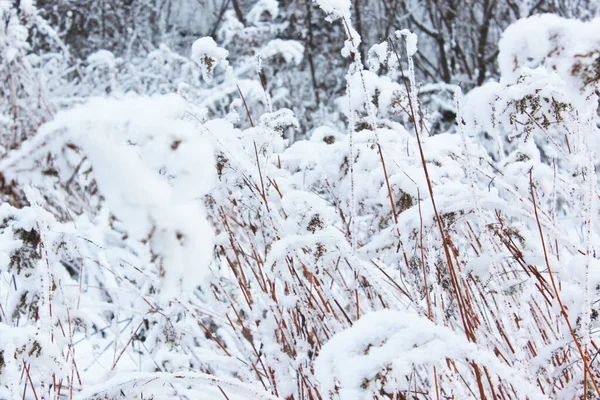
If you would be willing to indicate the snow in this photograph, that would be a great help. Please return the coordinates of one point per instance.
(102, 58)
(163, 167)
(27, 6)
(556, 45)
(262, 8)
(335, 9)
(173, 226)
(209, 386)
(291, 50)
(208, 55)
(10, 54)
(411, 41)
(378, 55)
(353, 360)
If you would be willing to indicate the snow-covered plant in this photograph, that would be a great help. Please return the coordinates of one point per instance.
(208, 56)
(168, 234)
(165, 243)
(23, 102)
